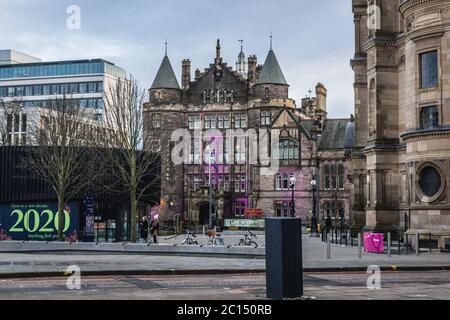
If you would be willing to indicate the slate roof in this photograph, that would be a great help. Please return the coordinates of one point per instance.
(165, 78)
(271, 72)
(333, 134)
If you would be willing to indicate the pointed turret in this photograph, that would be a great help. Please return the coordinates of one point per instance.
(165, 88)
(165, 78)
(271, 72)
(271, 83)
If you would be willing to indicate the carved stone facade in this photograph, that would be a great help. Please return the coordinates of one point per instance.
(221, 98)
(402, 155)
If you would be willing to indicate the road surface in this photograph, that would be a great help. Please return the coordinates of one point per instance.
(320, 286)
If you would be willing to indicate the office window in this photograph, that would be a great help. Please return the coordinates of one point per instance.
(92, 87)
(20, 91)
(16, 127)
(240, 121)
(240, 183)
(100, 87)
(73, 88)
(156, 120)
(239, 208)
(195, 156)
(429, 118)
(279, 182)
(46, 90)
(11, 91)
(289, 149)
(194, 122)
(334, 176)
(210, 121)
(54, 89)
(429, 69)
(223, 121)
(281, 208)
(37, 90)
(83, 88)
(265, 117)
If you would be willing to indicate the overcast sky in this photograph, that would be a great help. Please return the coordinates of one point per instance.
(313, 39)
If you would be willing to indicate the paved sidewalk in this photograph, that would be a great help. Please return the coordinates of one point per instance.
(314, 259)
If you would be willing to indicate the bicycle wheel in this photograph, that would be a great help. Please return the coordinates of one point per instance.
(254, 244)
(241, 242)
(195, 243)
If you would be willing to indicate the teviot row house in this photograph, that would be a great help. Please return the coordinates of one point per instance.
(253, 98)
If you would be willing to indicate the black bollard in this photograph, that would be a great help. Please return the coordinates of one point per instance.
(284, 269)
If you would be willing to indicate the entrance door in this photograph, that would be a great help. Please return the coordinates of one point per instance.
(204, 214)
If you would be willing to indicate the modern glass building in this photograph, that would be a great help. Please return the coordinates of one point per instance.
(34, 84)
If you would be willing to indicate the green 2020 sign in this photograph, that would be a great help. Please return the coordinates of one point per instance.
(33, 221)
(37, 221)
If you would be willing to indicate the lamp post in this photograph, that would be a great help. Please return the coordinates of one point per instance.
(211, 155)
(292, 181)
(314, 231)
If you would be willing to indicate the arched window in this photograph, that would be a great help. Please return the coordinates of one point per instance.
(204, 97)
(232, 96)
(267, 93)
(278, 182)
(289, 149)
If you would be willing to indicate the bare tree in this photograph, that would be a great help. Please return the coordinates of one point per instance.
(9, 113)
(134, 168)
(62, 133)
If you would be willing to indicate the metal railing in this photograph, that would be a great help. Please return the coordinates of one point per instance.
(395, 242)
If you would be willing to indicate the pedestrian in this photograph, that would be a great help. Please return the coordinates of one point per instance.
(144, 228)
(154, 229)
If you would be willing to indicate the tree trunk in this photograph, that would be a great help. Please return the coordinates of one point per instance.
(61, 218)
(134, 216)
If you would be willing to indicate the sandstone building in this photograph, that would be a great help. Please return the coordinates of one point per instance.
(401, 160)
(250, 97)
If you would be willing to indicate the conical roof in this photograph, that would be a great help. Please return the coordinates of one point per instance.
(165, 78)
(271, 72)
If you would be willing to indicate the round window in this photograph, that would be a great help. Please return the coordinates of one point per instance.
(430, 181)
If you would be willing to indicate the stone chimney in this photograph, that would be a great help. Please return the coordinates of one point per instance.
(321, 97)
(185, 74)
(197, 74)
(251, 74)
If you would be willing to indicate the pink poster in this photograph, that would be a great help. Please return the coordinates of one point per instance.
(373, 242)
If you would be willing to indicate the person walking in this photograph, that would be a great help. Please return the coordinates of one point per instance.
(144, 228)
(154, 230)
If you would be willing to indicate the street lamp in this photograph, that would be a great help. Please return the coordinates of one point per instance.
(211, 156)
(314, 231)
(292, 181)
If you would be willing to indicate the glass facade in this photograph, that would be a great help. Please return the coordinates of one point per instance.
(51, 89)
(39, 70)
(96, 103)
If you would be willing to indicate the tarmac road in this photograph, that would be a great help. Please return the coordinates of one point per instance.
(430, 285)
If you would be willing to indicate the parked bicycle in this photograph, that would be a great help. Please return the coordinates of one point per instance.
(248, 240)
(189, 239)
(215, 239)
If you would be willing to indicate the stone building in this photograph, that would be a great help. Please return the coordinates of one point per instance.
(401, 158)
(250, 98)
